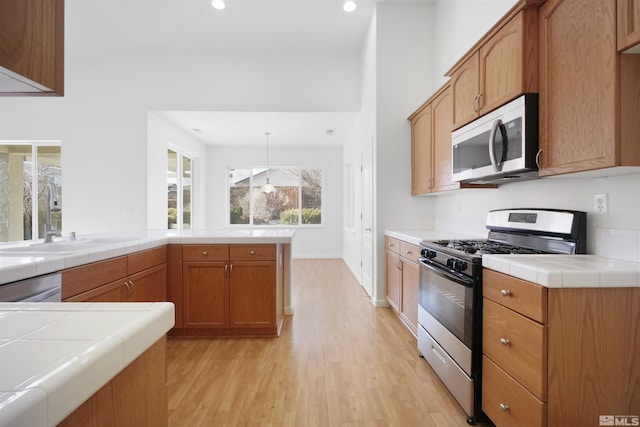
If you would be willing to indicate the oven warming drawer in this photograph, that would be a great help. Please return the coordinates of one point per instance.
(454, 378)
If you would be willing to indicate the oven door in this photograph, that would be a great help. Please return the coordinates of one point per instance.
(448, 297)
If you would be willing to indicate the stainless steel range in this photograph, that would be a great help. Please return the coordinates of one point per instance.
(450, 299)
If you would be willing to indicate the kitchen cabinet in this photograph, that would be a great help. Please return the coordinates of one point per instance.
(32, 47)
(588, 92)
(137, 396)
(233, 290)
(558, 356)
(431, 145)
(628, 14)
(137, 277)
(206, 289)
(403, 280)
(501, 66)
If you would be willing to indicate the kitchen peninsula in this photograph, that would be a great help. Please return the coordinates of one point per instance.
(55, 356)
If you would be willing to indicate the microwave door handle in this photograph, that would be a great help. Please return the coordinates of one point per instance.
(492, 145)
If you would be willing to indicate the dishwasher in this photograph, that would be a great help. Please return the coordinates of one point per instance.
(45, 288)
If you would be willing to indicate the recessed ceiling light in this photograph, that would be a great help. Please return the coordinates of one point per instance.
(218, 4)
(329, 132)
(349, 6)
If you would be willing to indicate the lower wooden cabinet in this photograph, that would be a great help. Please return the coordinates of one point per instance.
(137, 396)
(232, 290)
(558, 356)
(137, 277)
(403, 280)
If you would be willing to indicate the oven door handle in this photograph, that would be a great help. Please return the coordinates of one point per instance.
(450, 274)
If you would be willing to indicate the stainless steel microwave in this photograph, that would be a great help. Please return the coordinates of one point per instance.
(500, 146)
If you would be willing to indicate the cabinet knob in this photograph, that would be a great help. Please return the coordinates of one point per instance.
(504, 341)
(504, 407)
(252, 252)
(204, 253)
(408, 253)
(391, 245)
(505, 293)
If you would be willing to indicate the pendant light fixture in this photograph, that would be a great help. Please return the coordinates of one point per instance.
(267, 187)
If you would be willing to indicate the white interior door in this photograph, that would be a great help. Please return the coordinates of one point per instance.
(366, 222)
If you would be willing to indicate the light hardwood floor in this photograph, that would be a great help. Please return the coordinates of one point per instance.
(339, 361)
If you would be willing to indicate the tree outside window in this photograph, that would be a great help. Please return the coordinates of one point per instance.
(296, 201)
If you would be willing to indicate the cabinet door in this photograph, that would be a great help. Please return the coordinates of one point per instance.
(252, 294)
(394, 276)
(206, 294)
(147, 286)
(578, 66)
(410, 283)
(465, 90)
(111, 292)
(501, 66)
(628, 23)
(442, 124)
(421, 152)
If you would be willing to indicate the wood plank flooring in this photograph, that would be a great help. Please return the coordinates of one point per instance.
(339, 361)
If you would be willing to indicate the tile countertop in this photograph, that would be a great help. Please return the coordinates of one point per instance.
(17, 266)
(54, 356)
(567, 271)
(553, 271)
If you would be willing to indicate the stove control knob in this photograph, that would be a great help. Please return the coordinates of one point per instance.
(451, 263)
(460, 265)
(428, 253)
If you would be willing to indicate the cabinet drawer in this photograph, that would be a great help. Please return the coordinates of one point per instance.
(205, 252)
(409, 251)
(519, 295)
(86, 277)
(251, 252)
(506, 402)
(517, 344)
(392, 244)
(143, 260)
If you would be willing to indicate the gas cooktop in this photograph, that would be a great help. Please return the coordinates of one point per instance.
(484, 246)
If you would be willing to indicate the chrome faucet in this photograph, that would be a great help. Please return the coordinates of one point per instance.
(53, 205)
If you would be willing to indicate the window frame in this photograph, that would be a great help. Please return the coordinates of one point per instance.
(180, 156)
(251, 224)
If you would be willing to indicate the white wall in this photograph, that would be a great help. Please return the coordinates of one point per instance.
(102, 119)
(323, 241)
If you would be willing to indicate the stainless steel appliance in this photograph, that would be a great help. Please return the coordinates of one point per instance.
(450, 295)
(500, 146)
(46, 288)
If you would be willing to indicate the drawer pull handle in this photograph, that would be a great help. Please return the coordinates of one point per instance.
(252, 252)
(505, 293)
(204, 253)
(408, 252)
(504, 407)
(391, 245)
(438, 355)
(504, 341)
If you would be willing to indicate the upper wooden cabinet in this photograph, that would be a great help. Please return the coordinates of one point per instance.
(501, 66)
(589, 93)
(628, 23)
(32, 47)
(431, 145)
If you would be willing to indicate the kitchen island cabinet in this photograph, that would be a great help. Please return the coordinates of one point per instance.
(136, 277)
(84, 364)
(558, 356)
(588, 91)
(231, 290)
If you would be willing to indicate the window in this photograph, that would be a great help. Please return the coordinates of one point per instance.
(179, 177)
(25, 171)
(296, 201)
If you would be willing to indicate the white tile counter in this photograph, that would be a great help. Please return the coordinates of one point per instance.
(17, 266)
(54, 356)
(567, 271)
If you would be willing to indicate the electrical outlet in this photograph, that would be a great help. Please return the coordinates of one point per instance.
(601, 203)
